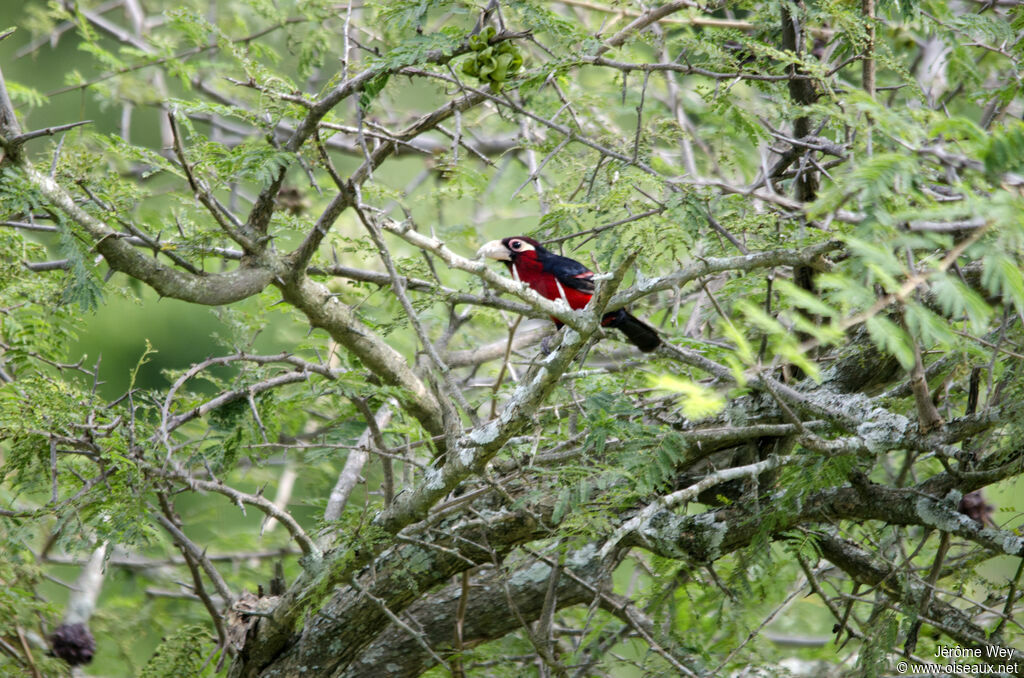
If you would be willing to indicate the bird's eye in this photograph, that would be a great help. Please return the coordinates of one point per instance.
(516, 244)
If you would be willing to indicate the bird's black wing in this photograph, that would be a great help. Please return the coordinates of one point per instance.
(569, 272)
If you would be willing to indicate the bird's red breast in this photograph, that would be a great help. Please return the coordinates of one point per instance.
(529, 269)
(550, 275)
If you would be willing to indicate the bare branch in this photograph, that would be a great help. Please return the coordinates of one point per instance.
(307, 545)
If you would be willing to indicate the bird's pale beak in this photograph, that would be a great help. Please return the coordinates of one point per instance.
(494, 250)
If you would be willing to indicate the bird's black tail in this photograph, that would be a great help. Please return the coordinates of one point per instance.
(639, 333)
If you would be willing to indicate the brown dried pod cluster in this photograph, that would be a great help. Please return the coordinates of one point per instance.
(73, 643)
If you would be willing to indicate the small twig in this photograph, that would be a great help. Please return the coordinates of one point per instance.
(196, 559)
(48, 131)
(53, 469)
(504, 366)
(535, 172)
(220, 214)
(797, 590)
(307, 545)
(397, 621)
(378, 442)
(29, 659)
(929, 591)
(460, 623)
(640, 116)
(1011, 600)
(190, 549)
(284, 494)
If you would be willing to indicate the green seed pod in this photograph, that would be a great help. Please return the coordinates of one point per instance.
(501, 67)
(485, 68)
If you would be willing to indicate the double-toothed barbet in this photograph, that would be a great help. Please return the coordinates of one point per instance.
(557, 277)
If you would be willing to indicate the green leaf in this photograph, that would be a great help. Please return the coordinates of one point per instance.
(931, 328)
(372, 89)
(182, 654)
(804, 299)
(697, 401)
(744, 351)
(957, 299)
(1001, 275)
(82, 285)
(1005, 152)
(892, 339)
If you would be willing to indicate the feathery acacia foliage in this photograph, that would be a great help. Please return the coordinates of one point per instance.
(372, 463)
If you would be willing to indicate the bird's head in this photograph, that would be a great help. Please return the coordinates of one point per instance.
(508, 249)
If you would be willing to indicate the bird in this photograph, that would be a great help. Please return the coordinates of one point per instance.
(556, 277)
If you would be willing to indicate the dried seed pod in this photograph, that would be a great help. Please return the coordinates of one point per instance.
(73, 643)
